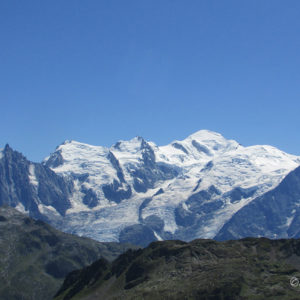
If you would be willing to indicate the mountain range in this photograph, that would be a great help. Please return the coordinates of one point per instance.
(204, 186)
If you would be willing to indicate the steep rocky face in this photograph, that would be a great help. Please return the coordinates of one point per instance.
(275, 214)
(35, 258)
(202, 269)
(149, 171)
(31, 187)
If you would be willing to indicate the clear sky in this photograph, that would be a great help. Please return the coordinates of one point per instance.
(100, 71)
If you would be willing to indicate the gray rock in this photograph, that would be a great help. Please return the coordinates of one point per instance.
(15, 186)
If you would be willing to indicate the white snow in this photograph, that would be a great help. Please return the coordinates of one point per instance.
(48, 210)
(157, 236)
(20, 207)
(32, 177)
(184, 206)
(289, 221)
(1, 153)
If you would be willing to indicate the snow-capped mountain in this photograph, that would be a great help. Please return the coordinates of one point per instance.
(137, 191)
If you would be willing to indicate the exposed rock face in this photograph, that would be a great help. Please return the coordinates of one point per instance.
(250, 268)
(35, 258)
(27, 185)
(114, 192)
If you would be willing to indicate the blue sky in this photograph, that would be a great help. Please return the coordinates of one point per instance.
(101, 71)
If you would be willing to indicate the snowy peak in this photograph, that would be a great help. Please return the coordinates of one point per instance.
(70, 146)
(206, 137)
(74, 154)
(199, 147)
(211, 141)
(131, 152)
(132, 146)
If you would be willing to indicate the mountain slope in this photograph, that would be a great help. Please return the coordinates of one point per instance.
(202, 269)
(35, 258)
(275, 214)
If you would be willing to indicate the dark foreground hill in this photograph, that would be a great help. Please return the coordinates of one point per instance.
(251, 268)
(35, 258)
